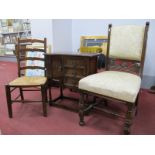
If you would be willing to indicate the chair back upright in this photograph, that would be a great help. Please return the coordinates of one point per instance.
(30, 58)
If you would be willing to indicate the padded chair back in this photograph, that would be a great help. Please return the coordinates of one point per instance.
(31, 58)
(127, 43)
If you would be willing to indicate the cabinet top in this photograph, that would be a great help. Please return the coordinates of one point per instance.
(74, 54)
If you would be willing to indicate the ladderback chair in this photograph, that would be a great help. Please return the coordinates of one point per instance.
(31, 73)
(122, 79)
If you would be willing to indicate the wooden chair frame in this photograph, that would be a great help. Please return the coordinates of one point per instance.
(83, 108)
(21, 57)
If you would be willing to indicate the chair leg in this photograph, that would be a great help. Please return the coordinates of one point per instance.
(128, 121)
(8, 97)
(61, 90)
(86, 98)
(44, 99)
(106, 102)
(94, 99)
(21, 94)
(81, 109)
(136, 104)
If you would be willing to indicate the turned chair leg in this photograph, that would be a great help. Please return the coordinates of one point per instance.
(81, 109)
(8, 97)
(94, 99)
(105, 102)
(61, 90)
(128, 120)
(136, 105)
(44, 99)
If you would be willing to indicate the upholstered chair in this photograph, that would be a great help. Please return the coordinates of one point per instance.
(121, 81)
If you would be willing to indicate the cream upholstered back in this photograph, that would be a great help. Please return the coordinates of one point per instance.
(126, 42)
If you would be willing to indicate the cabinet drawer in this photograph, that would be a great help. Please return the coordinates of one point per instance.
(74, 72)
(74, 61)
(70, 82)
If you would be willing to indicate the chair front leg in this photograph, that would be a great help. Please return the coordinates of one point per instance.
(21, 94)
(44, 99)
(8, 98)
(81, 109)
(128, 121)
(136, 104)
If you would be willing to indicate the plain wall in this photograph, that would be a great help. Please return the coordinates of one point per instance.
(62, 35)
(41, 28)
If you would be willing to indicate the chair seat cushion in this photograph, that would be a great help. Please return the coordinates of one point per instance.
(115, 84)
(28, 81)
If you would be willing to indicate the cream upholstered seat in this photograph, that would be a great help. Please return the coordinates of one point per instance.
(28, 81)
(119, 85)
(128, 44)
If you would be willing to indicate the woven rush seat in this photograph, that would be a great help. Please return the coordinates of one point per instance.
(27, 80)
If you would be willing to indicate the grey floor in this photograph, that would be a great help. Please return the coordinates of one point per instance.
(147, 81)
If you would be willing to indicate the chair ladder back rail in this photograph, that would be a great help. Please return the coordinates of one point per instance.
(22, 54)
(31, 41)
(32, 49)
(108, 47)
(144, 48)
(31, 58)
(32, 67)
